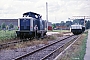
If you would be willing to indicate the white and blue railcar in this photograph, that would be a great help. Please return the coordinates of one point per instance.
(77, 29)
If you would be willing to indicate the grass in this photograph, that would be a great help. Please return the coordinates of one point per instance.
(4, 35)
(82, 50)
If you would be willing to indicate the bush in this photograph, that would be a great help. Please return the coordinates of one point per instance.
(3, 26)
(4, 35)
(11, 26)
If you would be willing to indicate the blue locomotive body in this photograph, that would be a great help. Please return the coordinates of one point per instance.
(27, 23)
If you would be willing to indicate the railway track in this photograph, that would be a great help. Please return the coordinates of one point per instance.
(48, 52)
(5, 45)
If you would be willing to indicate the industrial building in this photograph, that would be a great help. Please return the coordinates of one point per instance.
(9, 21)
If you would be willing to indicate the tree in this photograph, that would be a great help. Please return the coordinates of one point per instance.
(3, 26)
(0, 27)
(11, 26)
(68, 23)
(62, 23)
(54, 26)
(57, 24)
(88, 25)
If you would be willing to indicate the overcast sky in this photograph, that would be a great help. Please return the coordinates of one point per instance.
(58, 10)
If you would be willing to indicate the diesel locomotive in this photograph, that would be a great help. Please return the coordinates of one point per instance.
(31, 25)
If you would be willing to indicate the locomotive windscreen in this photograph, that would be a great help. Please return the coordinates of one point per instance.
(24, 24)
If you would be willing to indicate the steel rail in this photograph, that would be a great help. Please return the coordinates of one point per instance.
(4, 45)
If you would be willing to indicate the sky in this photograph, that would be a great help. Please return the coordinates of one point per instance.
(58, 10)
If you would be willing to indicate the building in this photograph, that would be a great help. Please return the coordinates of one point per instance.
(49, 26)
(63, 27)
(9, 21)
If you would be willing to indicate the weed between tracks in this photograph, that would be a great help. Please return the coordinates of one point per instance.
(77, 50)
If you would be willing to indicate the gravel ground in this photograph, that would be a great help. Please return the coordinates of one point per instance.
(10, 54)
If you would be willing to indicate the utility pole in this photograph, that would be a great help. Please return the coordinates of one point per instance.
(47, 15)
